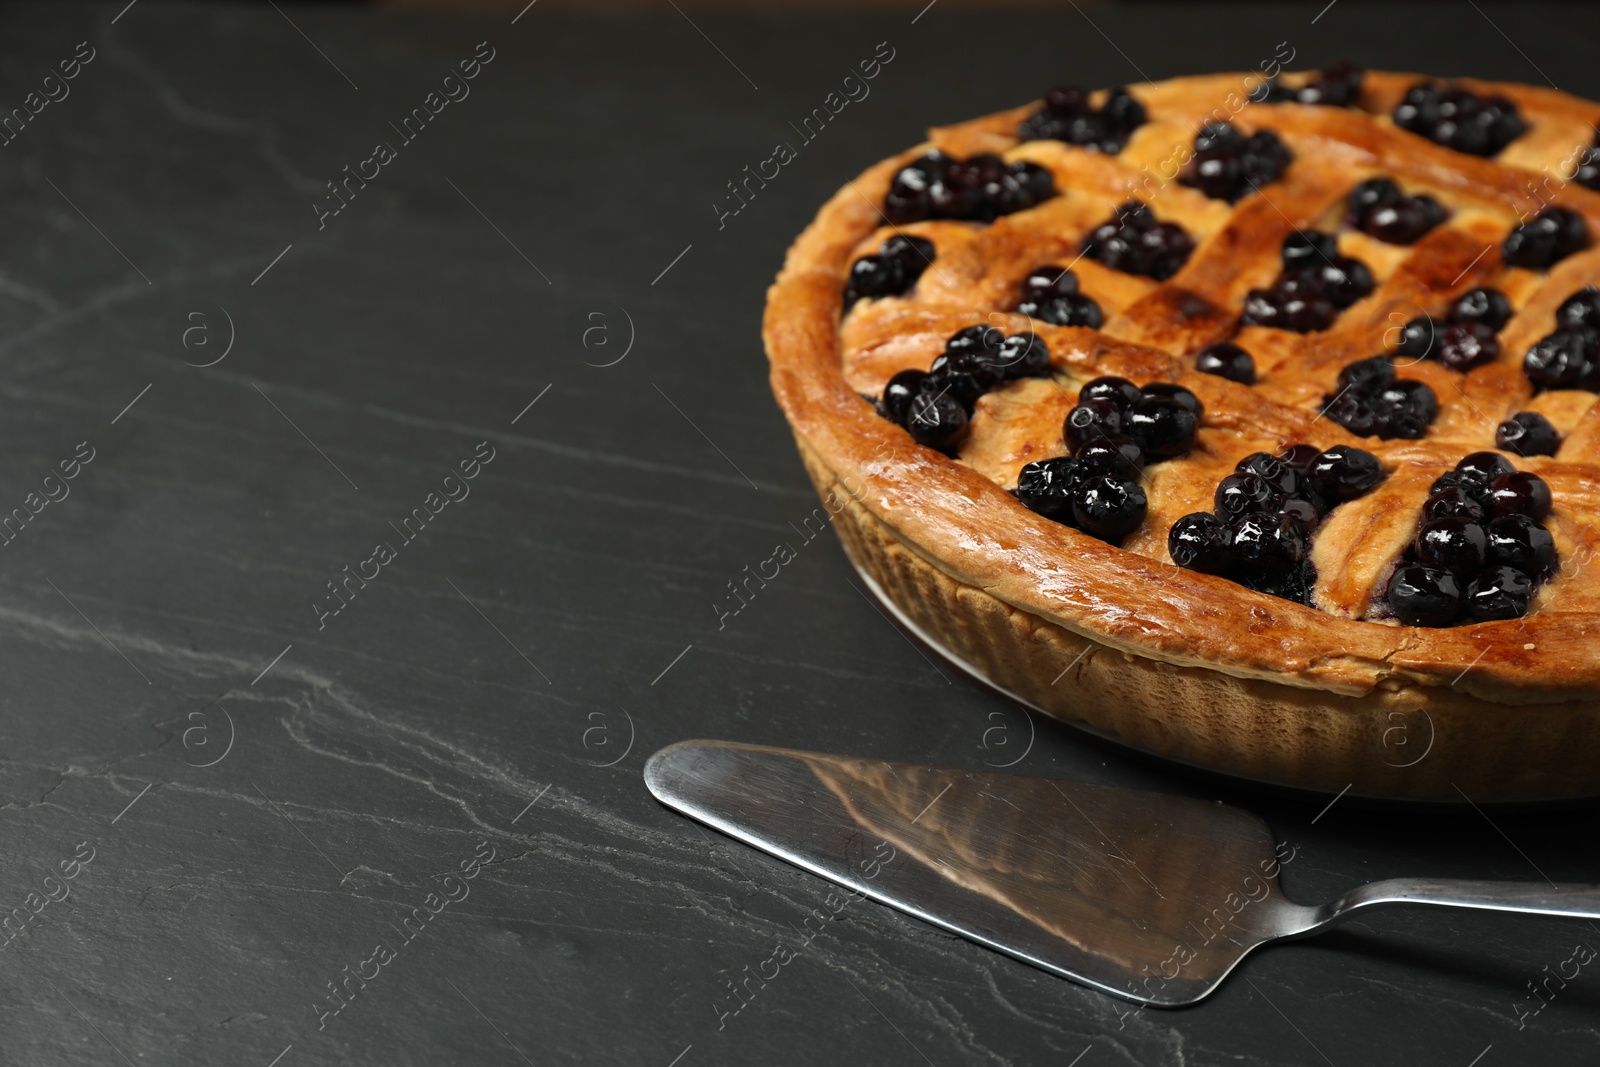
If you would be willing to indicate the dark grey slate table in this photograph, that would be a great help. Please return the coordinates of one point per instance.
(267, 790)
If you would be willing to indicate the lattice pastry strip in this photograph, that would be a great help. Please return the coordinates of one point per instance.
(1152, 329)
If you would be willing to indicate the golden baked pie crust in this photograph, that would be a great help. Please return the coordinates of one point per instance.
(1201, 668)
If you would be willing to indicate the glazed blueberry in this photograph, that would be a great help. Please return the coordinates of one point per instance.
(1464, 345)
(983, 167)
(1284, 478)
(1164, 248)
(913, 253)
(1267, 546)
(1452, 502)
(1114, 454)
(1201, 542)
(1414, 395)
(1315, 285)
(1023, 355)
(1499, 593)
(1418, 110)
(1226, 360)
(908, 198)
(1067, 116)
(1476, 471)
(1372, 373)
(1176, 392)
(1076, 310)
(1299, 456)
(1108, 507)
(1499, 117)
(1354, 410)
(1527, 433)
(1425, 596)
(1122, 110)
(898, 394)
(1552, 235)
(1304, 513)
(1297, 585)
(963, 376)
(1043, 283)
(1518, 493)
(1243, 493)
(1161, 426)
(1343, 473)
(1587, 171)
(1132, 241)
(1218, 136)
(973, 338)
(1271, 91)
(1344, 281)
(1371, 402)
(1403, 221)
(1520, 542)
(1416, 338)
(1046, 487)
(1454, 544)
(1264, 161)
(936, 419)
(1119, 391)
(1037, 182)
(1226, 165)
(1405, 409)
(1308, 249)
(872, 276)
(1374, 192)
(1486, 306)
(980, 188)
(1581, 309)
(1068, 99)
(906, 202)
(1287, 311)
(1459, 119)
(1091, 419)
(1557, 361)
(1336, 85)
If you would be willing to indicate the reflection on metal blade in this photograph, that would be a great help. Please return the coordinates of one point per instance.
(1142, 895)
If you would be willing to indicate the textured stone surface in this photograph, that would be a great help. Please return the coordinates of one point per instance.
(519, 644)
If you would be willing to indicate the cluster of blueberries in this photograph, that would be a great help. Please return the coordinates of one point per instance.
(1067, 116)
(1315, 285)
(935, 405)
(1378, 207)
(1549, 237)
(1266, 511)
(1050, 294)
(1481, 550)
(1468, 338)
(1132, 241)
(980, 188)
(1336, 85)
(1114, 432)
(1372, 402)
(1226, 360)
(1459, 119)
(1228, 165)
(899, 263)
(1569, 358)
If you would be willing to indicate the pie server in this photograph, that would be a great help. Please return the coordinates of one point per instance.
(1150, 897)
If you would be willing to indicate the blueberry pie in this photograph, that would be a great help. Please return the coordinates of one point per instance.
(1254, 423)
